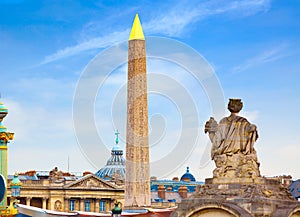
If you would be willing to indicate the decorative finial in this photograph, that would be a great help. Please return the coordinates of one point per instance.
(117, 136)
(3, 112)
(187, 169)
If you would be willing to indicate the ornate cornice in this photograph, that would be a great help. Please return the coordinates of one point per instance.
(6, 136)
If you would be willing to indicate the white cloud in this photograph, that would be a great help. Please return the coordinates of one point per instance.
(95, 43)
(171, 23)
(266, 56)
(174, 22)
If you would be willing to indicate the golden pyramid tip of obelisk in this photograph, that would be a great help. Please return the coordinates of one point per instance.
(136, 30)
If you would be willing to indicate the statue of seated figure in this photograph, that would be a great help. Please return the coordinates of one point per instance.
(233, 144)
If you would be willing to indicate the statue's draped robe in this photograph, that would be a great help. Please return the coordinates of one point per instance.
(234, 135)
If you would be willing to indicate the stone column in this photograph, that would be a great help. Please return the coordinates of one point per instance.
(77, 204)
(111, 204)
(66, 204)
(92, 205)
(97, 205)
(49, 204)
(28, 199)
(81, 206)
(44, 206)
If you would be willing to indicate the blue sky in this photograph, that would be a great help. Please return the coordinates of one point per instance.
(253, 47)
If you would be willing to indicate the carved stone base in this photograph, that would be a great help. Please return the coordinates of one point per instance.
(239, 197)
(225, 180)
(236, 166)
(244, 188)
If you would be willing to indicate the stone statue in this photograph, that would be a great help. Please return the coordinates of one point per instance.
(232, 144)
(56, 175)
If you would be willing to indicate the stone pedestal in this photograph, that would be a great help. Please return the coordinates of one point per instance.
(239, 197)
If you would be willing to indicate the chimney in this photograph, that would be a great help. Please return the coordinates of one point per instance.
(183, 191)
(161, 192)
(176, 179)
(86, 173)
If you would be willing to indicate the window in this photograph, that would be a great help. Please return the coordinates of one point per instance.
(87, 206)
(102, 206)
(72, 205)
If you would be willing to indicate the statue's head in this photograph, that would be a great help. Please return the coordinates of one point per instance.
(235, 105)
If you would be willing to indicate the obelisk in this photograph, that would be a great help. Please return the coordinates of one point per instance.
(137, 184)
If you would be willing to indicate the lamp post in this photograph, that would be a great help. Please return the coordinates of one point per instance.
(116, 211)
(5, 137)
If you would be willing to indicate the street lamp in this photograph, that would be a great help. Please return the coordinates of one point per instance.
(116, 211)
(15, 187)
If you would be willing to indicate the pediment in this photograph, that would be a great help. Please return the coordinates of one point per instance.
(90, 181)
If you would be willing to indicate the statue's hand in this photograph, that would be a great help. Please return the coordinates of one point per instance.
(211, 126)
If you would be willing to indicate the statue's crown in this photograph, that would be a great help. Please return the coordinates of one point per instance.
(235, 105)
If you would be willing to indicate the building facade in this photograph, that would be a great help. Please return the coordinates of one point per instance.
(168, 193)
(68, 193)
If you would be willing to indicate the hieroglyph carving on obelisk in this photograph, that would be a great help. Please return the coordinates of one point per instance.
(137, 183)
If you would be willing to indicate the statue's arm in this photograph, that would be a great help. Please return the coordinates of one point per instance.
(252, 131)
(211, 127)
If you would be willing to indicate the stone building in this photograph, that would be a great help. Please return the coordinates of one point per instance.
(65, 192)
(168, 193)
(294, 188)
